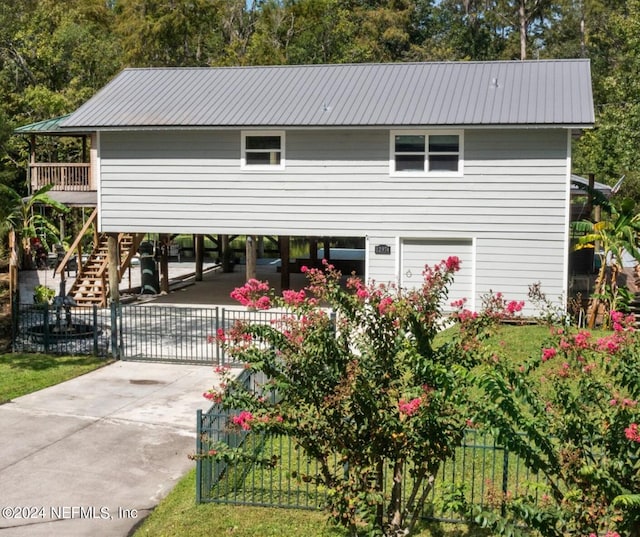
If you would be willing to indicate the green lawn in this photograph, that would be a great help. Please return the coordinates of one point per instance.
(21, 374)
(179, 516)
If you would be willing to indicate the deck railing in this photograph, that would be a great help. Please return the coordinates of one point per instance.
(67, 176)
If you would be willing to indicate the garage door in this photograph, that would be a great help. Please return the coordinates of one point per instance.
(418, 253)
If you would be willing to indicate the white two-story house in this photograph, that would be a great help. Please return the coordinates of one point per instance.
(421, 160)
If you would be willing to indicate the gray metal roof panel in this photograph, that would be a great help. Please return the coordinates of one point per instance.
(549, 92)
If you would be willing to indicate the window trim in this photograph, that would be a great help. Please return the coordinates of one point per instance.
(425, 172)
(262, 167)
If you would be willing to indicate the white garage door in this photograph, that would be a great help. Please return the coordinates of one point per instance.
(418, 253)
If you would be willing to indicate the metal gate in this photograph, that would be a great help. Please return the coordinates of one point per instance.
(179, 334)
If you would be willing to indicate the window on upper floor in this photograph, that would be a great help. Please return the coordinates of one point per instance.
(263, 150)
(426, 153)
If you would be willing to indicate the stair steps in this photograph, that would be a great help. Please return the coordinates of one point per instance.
(91, 286)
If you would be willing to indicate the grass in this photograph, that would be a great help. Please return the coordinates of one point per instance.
(178, 515)
(21, 374)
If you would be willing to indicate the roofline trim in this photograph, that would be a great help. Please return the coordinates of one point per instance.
(114, 128)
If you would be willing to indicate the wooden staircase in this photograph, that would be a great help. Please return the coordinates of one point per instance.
(91, 285)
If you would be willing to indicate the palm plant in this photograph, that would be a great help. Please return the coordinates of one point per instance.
(26, 223)
(614, 236)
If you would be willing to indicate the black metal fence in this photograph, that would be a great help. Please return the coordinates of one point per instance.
(130, 332)
(480, 473)
(63, 330)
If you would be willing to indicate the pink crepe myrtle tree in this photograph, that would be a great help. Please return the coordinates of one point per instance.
(366, 384)
(572, 413)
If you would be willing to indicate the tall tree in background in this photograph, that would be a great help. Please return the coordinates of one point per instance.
(382, 30)
(611, 149)
(158, 33)
(460, 30)
(54, 54)
(524, 21)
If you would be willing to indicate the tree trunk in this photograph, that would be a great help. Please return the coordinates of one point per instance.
(395, 507)
(594, 301)
(522, 16)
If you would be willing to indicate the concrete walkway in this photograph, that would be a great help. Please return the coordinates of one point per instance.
(92, 456)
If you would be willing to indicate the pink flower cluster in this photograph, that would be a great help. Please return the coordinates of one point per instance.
(362, 292)
(632, 433)
(246, 418)
(515, 306)
(235, 337)
(610, 344)
(452, 263)
(548, 353)
(467, 315)
(213, 396)
(581, 339)
(221, 337)
(385, 305)
(243, 420)
(608, 534)
(293, 298)
(409, 408)
(626, 403)
(252, 294)
(621, 321)
(319, 279)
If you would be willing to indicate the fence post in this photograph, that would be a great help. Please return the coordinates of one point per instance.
(45, 329)
(505, 479)
(120, 333)
(95, 330)
(15, 319)
(216, 335)
(221, 350)
(114, 331)
(198, 460)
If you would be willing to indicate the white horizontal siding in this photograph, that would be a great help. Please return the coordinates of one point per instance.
(381, 267)
(511, 199)
(511, 266)
(191, 181)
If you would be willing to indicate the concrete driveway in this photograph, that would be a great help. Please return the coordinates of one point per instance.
(92, 456)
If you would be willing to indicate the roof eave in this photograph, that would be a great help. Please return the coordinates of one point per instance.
(94, 128)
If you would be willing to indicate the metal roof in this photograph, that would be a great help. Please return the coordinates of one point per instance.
(547, 92)
(48, 126)
(579, 186)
